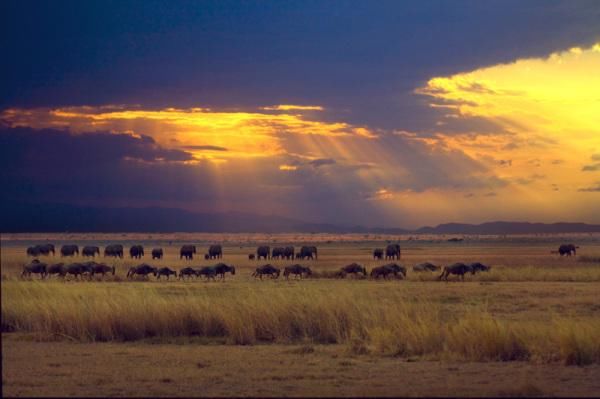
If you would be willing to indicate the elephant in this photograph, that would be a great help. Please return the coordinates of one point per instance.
(136, 251)
(165, 271)
(215, 251)
(35, 267)
(459, 269)
(426, 266)
(34, 251)
(46, 249)
(157, 253)
(69, 250)
(567, 249)
(288, 252)
(90, 251)
(266, 269)
(297, 270)
(143, 269)
(392, 251)
(353, 268)
(378, 253)
(278, 252)
(187, 251)
(115, 250)
(187, 272)
(263, 252)
(222, 268)
(307, 252)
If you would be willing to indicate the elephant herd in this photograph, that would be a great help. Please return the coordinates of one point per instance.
(265, 252)
(116, 251)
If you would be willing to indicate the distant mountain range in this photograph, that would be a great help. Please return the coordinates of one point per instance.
(18, 217)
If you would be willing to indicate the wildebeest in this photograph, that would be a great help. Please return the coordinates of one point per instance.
(250, 256)
(378, 253)
(35, 267)
(136, 251)
(567, 249)
(396, 268)
(263, 252)
(57, 268)
(392, 251)
(187, 272)
(165, 271)
(115, 250)
(266, 269)
(79, 269)
(381, 271)
(353, 268)
(207, 271)
(143, 270)
(215, 251)
(307, 252)
(69, 250)
(288, 252)
(426, 266)
(90, 250)
(479, 267)
(101, 268)
(459, 269)
(222, 268)
(297, 270)
(157, 253)
(187, 251)
(278, 252)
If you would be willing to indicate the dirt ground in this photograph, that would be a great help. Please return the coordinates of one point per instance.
(143, 369)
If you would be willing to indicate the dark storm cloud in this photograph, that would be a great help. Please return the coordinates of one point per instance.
(591, 189)
(361, 60)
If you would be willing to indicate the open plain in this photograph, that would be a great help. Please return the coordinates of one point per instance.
(528, 327)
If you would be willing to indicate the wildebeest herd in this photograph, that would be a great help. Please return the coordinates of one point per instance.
(91, 268)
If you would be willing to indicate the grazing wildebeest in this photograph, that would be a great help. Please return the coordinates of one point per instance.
(288, 252)
(115, 250)
(567, 249)
(426, 266)
(277, 252)
(143, 270)
(187, 251)
(136, 251)
(378, 253)
(460, 269)
(69, 250)
(222, 268)
(215, 251)
(392, 251)
(208, 271)
(165, 271)
(297, 271)
(381, 271)
(90, 250)
(396, 268)
(263, 252)
(100, 268)
(57, 268)
(251, 257)
(266, 269)
(479, 267)
(187, 272)
(157, 253)
(35, 267)
(79, 269)
(353, 268)
(307, 252)
(34, 251)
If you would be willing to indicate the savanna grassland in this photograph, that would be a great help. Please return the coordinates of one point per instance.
(530, 326)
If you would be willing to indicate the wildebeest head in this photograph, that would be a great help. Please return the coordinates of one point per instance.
(206, 256)
(232, 269)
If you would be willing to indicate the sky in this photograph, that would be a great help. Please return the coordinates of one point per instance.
(389, 114)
